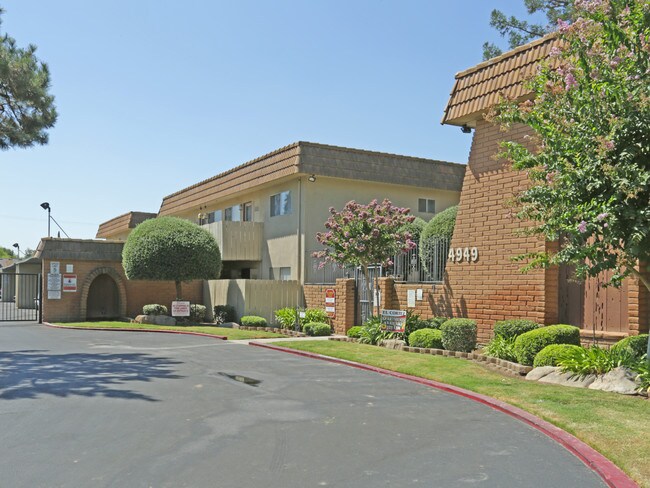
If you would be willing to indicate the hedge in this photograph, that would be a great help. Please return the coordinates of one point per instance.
(459, 335)
(317, 329)
(637, 345)
(550, 355)
(528, 344)
(252, 321)
(429, 338)
(514, 327)
(154, 309)
(354, 332)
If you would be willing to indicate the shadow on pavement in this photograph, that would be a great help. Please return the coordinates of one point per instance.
(30, 374)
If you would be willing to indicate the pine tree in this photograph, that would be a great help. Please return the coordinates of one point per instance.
(26, 107)
(520, 31)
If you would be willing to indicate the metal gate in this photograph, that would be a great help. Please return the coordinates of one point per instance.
(20, 297)
(365, 298)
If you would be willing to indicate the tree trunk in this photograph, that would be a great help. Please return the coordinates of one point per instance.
(178, 290)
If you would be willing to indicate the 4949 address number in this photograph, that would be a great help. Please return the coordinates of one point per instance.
(460, 254)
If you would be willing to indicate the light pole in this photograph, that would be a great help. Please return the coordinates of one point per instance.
(18, 250)
(46, 206)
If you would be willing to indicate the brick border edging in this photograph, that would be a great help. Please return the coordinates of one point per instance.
(160, 331)
(611, 474)
(502, 364)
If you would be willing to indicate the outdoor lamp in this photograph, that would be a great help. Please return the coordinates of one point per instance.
(46, 206)
(17, 247)
(312, 178)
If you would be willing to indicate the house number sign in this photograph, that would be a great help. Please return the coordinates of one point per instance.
(460, 254)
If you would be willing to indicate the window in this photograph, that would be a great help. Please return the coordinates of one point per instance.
(283, 274)
(232, 214)
(247, 212)
(426, 205)
(281, 204)
(215, 216)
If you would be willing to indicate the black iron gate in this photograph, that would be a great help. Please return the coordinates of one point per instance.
(20, 297)
(366, 309)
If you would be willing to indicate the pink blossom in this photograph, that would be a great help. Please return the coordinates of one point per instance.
(602, 216)
(582, 227)
(570, 81)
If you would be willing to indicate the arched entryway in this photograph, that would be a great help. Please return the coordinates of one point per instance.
(103, 300)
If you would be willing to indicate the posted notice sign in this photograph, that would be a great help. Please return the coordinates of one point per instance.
(180, 309)
(393, 320)
(330, 302)
(70, 282)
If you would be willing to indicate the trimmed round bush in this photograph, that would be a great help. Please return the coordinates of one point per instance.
(551, 354)
(514, 327)
(441, 226)
(435, 322)
(459, 335)
(315, 315)
(224, 313)
(429, 338)
(317, 329)
(637, 345)
(354, 332)
(528, 344)
(252, 321)
(154, 309)
(197, 312)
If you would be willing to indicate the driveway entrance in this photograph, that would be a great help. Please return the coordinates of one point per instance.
(110, 409)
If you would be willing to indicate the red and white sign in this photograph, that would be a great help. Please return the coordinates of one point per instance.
(180, 309)
(70, 282)
(330, 302)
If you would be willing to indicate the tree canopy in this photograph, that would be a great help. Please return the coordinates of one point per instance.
(171, 249)
(26, 107)
(590, 167)
(519, 31)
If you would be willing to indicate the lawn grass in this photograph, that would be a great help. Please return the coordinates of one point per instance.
(231, 334)
(617, 426)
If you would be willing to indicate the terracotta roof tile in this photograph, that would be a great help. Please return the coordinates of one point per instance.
(481, 86)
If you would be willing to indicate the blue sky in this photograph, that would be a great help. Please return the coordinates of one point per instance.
(155, 95)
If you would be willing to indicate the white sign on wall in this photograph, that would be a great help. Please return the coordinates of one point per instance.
(410, 298)
(55, 267)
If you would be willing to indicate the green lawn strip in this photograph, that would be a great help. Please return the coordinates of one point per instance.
(231, 334)
(615, 425)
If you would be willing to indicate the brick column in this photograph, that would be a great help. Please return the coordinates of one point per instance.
(345, 305)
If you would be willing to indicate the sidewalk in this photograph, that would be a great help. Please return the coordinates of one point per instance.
(283, 339)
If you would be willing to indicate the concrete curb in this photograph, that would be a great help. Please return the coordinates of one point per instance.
(611, 474)
(159, 331)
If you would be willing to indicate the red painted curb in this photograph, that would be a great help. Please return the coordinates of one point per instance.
(159, 331)
(611, 474)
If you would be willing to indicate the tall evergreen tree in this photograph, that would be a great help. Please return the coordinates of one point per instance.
(519, 31)
(26, 107)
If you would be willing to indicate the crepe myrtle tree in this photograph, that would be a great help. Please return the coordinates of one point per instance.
(590, 165)
(171, 249)
(365, 235)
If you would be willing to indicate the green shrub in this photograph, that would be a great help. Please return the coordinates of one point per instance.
(528, 344)
(354, 332)
(637, 345)
(197, 312)
(514, 327)
(596, 360)
(502, 348)
(551, 354)
(429, 338)
(317, 329)
(435, 322)
(286, 317)
(252, 321)
(459, 335)
(224, 313)
(372, 333)
(154, 309)
(441, 226)
(315, 315)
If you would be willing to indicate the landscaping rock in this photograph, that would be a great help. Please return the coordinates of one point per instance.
(555, 376)
(155, 320)
(393, 344)
(619, 380)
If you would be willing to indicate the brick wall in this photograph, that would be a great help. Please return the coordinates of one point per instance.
(345, 302)
(132, 294)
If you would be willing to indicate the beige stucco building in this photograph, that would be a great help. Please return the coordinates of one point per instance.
(266, 212)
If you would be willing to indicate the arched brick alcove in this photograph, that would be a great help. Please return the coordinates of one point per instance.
(119, 282)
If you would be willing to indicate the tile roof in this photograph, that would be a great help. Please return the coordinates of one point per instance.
(321, 160)
(122, 223)
(478, 88)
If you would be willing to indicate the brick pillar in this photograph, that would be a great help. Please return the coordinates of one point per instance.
(345, 305)
(388, 295)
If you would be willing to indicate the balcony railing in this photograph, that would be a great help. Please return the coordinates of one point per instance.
(238, 241)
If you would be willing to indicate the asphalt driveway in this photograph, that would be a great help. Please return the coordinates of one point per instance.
(110, 409)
